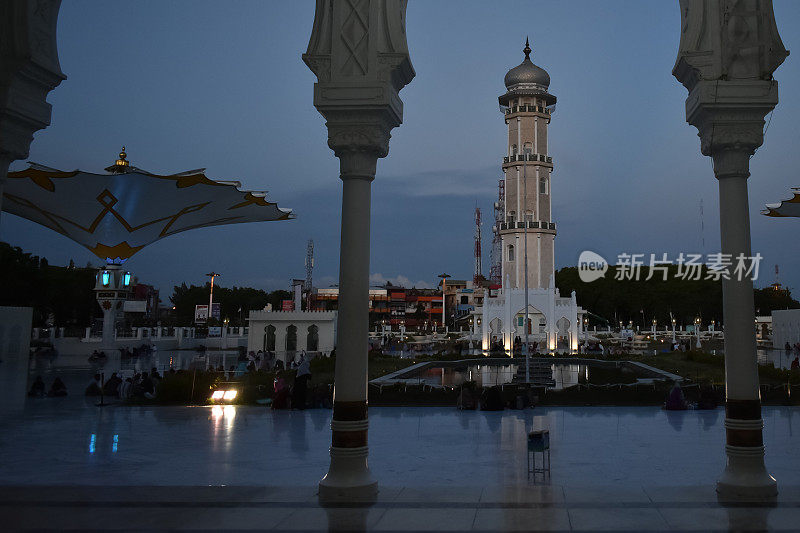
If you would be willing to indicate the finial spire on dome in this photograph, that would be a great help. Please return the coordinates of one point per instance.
(527, 49)
(121, 165)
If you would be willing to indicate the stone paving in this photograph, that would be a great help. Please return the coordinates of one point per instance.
(73, 466)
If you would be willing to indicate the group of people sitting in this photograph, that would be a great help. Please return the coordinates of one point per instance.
(140, 385)
(97, 355)
(56, 389)
(142, 351)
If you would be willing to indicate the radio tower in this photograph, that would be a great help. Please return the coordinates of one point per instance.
(478, 277)
(309, 272)
(777, 284)
(496, 270)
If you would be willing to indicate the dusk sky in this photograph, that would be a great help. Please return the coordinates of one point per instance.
(190, 84)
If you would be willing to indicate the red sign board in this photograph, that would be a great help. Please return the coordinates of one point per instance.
(287, 305)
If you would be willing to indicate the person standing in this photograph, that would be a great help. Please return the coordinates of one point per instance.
(301, 382)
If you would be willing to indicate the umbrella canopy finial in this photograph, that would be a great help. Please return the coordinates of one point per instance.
(121, 165)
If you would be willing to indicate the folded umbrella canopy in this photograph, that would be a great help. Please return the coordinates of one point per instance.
(786, 208)
(117, 214)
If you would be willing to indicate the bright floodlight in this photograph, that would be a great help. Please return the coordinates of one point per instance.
(229, 395)
(218, 394)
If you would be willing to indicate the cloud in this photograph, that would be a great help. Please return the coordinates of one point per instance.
(480, 182)
(402, 281)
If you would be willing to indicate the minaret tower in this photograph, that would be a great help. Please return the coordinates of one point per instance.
(527, 107)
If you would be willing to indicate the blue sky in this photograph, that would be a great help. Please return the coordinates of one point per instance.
(188, 84)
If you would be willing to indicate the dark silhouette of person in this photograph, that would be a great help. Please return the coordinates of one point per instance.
(57, 388)
(93, 389)
(37, 389)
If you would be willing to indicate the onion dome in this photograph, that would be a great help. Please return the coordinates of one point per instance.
(527, 73)
(527, 79)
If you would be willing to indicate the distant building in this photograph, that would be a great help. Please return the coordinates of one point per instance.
(785, 327)
(288, 332)
(392, 307)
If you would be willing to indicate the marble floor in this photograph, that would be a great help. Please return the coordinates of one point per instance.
(75, 466)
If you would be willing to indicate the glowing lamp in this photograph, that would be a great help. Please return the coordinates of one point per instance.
(126, 279)
(229, 395)
(218, 395)
(106, 277)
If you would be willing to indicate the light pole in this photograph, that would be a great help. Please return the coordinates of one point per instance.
(697, 330)
(654, 327)
(673, 332)
(525, 152)
(444, 283)
(213, 275)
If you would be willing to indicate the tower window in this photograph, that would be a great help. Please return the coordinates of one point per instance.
(527, 148)
(510, 252)
(542, 185)
(510, 217)
(513, 149)
(528, 216)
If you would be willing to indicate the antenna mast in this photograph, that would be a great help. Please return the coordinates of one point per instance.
(309, 272)
(478, 276)
(496, 270)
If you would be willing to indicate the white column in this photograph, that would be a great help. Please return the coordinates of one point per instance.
(360, 70)
(730, 92)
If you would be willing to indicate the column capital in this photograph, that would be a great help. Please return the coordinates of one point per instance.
(360, 131)
(29, 69)
(358, 52)
(729, 115)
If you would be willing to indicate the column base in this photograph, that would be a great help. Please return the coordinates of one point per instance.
(349, 478)
(745, 477)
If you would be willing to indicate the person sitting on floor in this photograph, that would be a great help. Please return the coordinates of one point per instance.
(93, 389)
(57, 388)
(148, 387)
(37, 389)
(125, 388)
(111, 386)
(676, 400)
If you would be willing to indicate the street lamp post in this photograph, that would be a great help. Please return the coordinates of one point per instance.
(444, 283)
(673, 331)
(213, 275)
(697, 330)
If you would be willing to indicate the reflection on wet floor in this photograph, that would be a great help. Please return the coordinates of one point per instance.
(54, 443)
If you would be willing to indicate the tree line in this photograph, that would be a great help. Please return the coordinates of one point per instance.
(611, 300)
(63, 296)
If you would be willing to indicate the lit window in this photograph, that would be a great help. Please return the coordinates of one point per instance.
(106, 277)
(229, 395)
(126, 280)
(218, 394)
